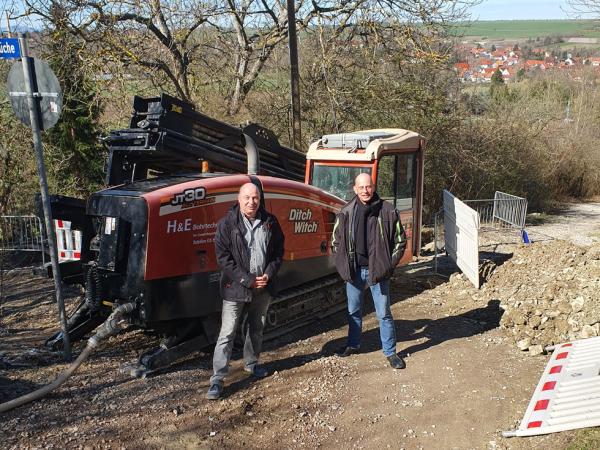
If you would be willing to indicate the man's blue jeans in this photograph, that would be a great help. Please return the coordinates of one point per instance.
(355, 292)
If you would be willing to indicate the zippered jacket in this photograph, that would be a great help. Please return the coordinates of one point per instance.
(386, 240)
(233, 255)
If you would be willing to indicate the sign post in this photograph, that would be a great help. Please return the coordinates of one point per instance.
(34, 97)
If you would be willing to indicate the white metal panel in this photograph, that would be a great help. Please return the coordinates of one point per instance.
(461, 225)
(568, 393)
(68, 241)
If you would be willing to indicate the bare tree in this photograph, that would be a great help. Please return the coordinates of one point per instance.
(156, 36)
(191, 44)
(585, 8)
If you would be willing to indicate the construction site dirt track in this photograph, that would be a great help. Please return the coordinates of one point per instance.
(466, 378)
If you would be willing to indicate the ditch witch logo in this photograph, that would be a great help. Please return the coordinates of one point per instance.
(302, 222)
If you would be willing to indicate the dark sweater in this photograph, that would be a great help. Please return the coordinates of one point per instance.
(360, 232)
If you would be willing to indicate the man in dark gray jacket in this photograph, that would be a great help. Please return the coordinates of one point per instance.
(249, 249)
(368, 242)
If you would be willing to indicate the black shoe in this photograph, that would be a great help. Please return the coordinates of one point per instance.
(257, 371)
(214, 391)
(347, 351)
(396, 362)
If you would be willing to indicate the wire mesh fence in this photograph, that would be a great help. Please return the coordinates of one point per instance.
(501, 220)
(18, 234)
(504, 211)
(21, 234)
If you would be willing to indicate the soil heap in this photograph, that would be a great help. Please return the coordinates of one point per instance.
(550, 293)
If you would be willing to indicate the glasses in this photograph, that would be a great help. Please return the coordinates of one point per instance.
(364, 188)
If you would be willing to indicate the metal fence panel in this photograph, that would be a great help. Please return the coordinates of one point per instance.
(438, 231)
(21, 233)
(494, 218)
(24, 234)
(504, 211)
(510, 209)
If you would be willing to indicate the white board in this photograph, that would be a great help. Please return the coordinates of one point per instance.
(461, 232)
(567, 396)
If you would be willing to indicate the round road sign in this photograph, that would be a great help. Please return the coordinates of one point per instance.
(46, 90)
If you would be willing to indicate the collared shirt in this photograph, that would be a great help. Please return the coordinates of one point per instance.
(256, 239)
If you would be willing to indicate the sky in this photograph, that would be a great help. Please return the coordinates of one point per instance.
(487, 10)
(520, 10)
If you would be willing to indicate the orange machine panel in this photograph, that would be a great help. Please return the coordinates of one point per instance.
(182, 221)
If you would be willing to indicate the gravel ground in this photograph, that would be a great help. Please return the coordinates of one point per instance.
(465, 382)
(578, 223)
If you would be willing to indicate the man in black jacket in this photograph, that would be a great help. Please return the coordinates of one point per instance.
(368, 242)
(249, 248)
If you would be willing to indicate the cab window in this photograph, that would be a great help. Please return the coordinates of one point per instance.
(337, 180)
(396, 180)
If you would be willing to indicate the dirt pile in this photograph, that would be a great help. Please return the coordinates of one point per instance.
(550, 293)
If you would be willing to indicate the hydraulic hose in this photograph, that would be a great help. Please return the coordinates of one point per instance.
(112, 325)
(92, 288)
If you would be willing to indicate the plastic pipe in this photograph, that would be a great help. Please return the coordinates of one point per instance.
(111, 326)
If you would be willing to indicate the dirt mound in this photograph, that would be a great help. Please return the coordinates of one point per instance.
(550, 293)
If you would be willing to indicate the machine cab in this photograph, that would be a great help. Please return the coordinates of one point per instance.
(393, 157)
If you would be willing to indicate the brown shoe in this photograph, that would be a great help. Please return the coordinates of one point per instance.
(396, 362)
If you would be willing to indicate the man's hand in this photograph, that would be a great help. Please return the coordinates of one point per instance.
(261, 281)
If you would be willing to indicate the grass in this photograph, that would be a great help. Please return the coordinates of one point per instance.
(587, 439)
(519, 29)
(537, 219)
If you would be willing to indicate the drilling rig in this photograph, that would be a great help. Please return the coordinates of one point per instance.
(148, 238)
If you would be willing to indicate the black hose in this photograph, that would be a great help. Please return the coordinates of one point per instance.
(111, 326)
(92, 288)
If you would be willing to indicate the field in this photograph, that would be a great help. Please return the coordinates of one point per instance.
(519, 29)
